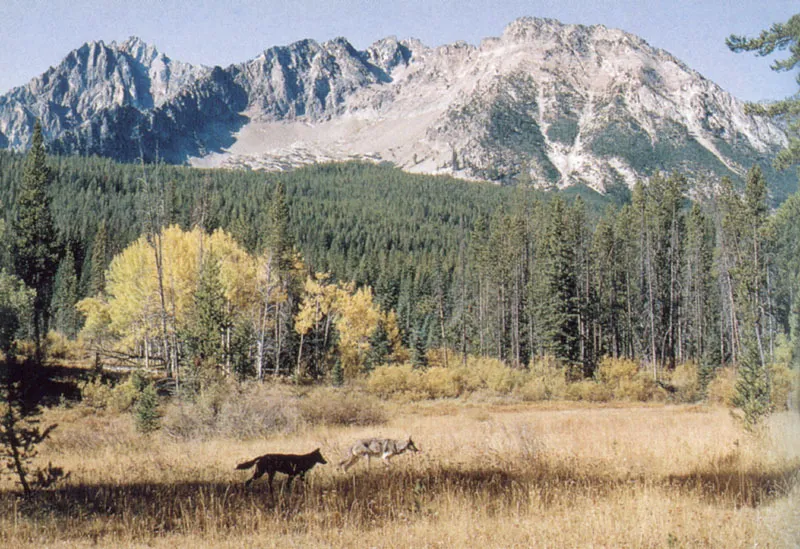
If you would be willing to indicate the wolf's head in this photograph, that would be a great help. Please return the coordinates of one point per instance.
(317, 455)
(411, 446)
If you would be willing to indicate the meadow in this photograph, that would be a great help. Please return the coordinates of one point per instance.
(492, 472)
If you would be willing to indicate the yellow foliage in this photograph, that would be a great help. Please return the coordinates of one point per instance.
(545, 381)
(385, 381)
(131, 312)
(357, 319)
(613, 370)
(686, 381)
(588, 390)
(783, 379)
(623, 379)
(119, 398)
(399, 353)
(98, 320)
(722, 388)
(318, 302)
(442, 382)
(237, 270)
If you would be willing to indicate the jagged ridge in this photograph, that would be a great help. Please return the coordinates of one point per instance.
(550, 103)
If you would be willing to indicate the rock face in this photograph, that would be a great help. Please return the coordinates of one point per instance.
(549, 103)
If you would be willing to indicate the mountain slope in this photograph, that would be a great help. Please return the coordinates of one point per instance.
(554, 104)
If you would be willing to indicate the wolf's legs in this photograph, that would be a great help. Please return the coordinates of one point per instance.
(257, 474)
(347, 463)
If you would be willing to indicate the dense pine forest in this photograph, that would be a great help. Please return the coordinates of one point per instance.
(662, 274)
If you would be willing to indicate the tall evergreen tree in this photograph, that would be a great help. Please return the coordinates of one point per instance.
(556, 292)
(280, 246)
(65, 296)
(99, 260)
(207, 319)
(780, 36)
(34, 245)
(700, 324)
(278, 238)
(379, 348)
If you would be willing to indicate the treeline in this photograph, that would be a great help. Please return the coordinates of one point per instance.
(510, 273)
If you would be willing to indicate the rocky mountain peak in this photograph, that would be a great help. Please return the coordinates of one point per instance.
(140, 51)
(545, 102)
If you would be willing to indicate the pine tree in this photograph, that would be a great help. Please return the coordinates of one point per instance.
(147, 414)
(99, 259)
(20, 431)
(379, 348)
(34, 242)
(207, 319)
(16, 304)
(555, 291)
(278, 240)
(65, 296)
(780, 36)
(419, 347)
(752, 386)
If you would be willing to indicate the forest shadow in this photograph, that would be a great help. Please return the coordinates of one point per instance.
(367, 497)
(743, 488)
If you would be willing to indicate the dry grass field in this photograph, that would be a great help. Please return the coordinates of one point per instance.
(488, 475)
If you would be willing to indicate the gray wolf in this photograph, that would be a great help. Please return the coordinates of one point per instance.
(288, 464)
(385, 448)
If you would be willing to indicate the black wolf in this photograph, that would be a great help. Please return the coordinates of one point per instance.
(289, 464)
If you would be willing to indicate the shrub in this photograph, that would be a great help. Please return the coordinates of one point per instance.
(59, 346)
(613, 370)
(329, 406)
(640, 388)
(116, 398)
(385, 381)
(722, 388)
(545, 380)
(186, 421)
(257, 412)
(624, 380)
(534, 389)
(440, 382)
(686, 380)
(250, 412)
(782, 380)
(492, 374)
(588, 390)
(147, 414)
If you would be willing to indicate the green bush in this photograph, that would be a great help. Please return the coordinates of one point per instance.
(146, 412)
(105, 396)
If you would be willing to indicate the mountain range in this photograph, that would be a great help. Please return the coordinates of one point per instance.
(547, 103)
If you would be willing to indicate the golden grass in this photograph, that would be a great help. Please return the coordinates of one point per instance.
(549, 475)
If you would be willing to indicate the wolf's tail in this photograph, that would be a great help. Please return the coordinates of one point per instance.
(247, 464)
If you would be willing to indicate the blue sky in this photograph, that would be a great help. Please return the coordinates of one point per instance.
(37, 34)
